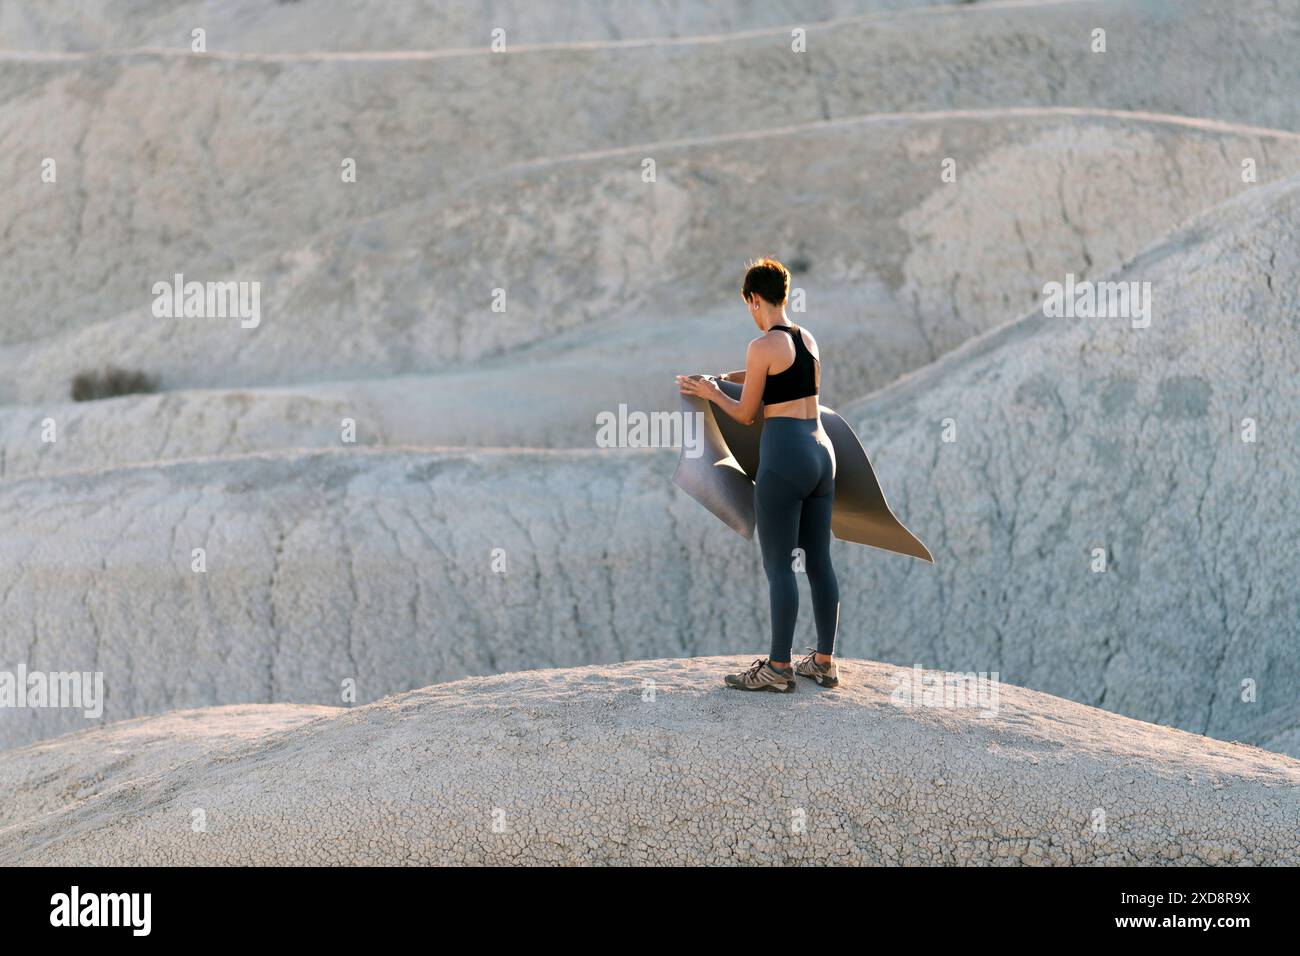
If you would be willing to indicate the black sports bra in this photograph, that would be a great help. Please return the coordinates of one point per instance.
(802, 379)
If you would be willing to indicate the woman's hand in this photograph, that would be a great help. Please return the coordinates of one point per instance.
(699, 387)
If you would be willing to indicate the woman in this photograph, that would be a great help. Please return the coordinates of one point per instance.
(795, 485)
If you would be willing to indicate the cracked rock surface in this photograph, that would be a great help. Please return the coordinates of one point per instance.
(377, 567)
(901, 271)
(262, 199)
(1078, 434)
(650, 762)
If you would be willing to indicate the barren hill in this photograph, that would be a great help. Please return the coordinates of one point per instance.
(651, 762)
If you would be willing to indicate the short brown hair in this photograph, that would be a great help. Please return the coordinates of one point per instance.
(768, 279)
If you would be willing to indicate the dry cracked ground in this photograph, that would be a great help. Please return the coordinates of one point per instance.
(378, 563)
(650, 762)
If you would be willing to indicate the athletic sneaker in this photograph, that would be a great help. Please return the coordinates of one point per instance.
(762, 676)
(828, 675)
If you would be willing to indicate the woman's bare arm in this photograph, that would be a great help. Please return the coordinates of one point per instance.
(747, 409)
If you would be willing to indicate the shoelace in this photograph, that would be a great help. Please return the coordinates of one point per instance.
(756, 667)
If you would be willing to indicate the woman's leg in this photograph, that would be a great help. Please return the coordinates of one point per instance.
(815, 540)
(779, 505)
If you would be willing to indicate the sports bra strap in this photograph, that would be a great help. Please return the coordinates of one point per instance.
(800, 380)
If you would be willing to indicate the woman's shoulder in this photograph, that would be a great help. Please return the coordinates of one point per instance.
(809, 341)
(800, 329)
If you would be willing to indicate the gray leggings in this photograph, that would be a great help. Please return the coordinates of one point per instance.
(794, 491)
